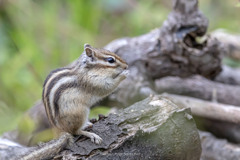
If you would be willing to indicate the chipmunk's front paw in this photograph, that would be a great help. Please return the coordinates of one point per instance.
(95, 138)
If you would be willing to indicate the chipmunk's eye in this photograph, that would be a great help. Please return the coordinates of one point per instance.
(110, 60)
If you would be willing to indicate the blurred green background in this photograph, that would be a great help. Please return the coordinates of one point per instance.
(37, 36)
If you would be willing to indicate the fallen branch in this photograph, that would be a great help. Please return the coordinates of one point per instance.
(171, 50)
(230, 41)
(220, 119)
(220, 129)
(229, 76)
(201, 88)
(219, 149)
(154, 128)
(207, 109)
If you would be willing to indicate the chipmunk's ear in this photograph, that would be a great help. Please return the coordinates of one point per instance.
(88, 50)
(87, 45)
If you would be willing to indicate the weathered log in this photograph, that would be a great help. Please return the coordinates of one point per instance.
(170, 50)
(230, 42)
(218, 149)
(12, 151)
(212, 110)
(173, 49)
(220, 119)
(154, 128)
(229, 75)
(201, 88)
(222, 129)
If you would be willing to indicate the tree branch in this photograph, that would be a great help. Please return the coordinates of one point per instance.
(201, 88)
(220, 149)
(147, 129)
(207, 109)
(229, 76)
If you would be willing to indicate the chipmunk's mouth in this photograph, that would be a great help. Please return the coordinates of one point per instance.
(122, 73)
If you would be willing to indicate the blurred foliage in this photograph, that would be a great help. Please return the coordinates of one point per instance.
(26, 125)
(231, 62)
(98, 110)
(221, 14)
(37, 36)
(43, 136)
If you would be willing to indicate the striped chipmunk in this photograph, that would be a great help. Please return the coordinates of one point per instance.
(69, 92)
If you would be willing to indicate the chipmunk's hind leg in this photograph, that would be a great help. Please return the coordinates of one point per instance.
(94, 137)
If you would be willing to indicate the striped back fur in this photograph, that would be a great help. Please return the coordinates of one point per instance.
(94, 72)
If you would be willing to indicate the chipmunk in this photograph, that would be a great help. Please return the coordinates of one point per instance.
(69, 92)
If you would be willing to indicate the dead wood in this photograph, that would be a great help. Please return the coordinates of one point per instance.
(154, 128)
(220, 119)
(11, 151)
(169, 50)
(229, 75)
(230, 42)
(222, 129)
(211, 110)
(173, 49)
(201, 88)
(220, 149)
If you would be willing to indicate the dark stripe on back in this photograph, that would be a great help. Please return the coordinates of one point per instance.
(56, 79)
(48, 114)
(52, 72)
(50, 86)
(58, 93)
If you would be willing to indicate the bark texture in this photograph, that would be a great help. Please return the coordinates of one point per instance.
(229, 76)
(172, 49)
(217, 111)
(200, 87)
(221, 129)
(154, 128)
(230, 42)
(220, 119)
(218, 149)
